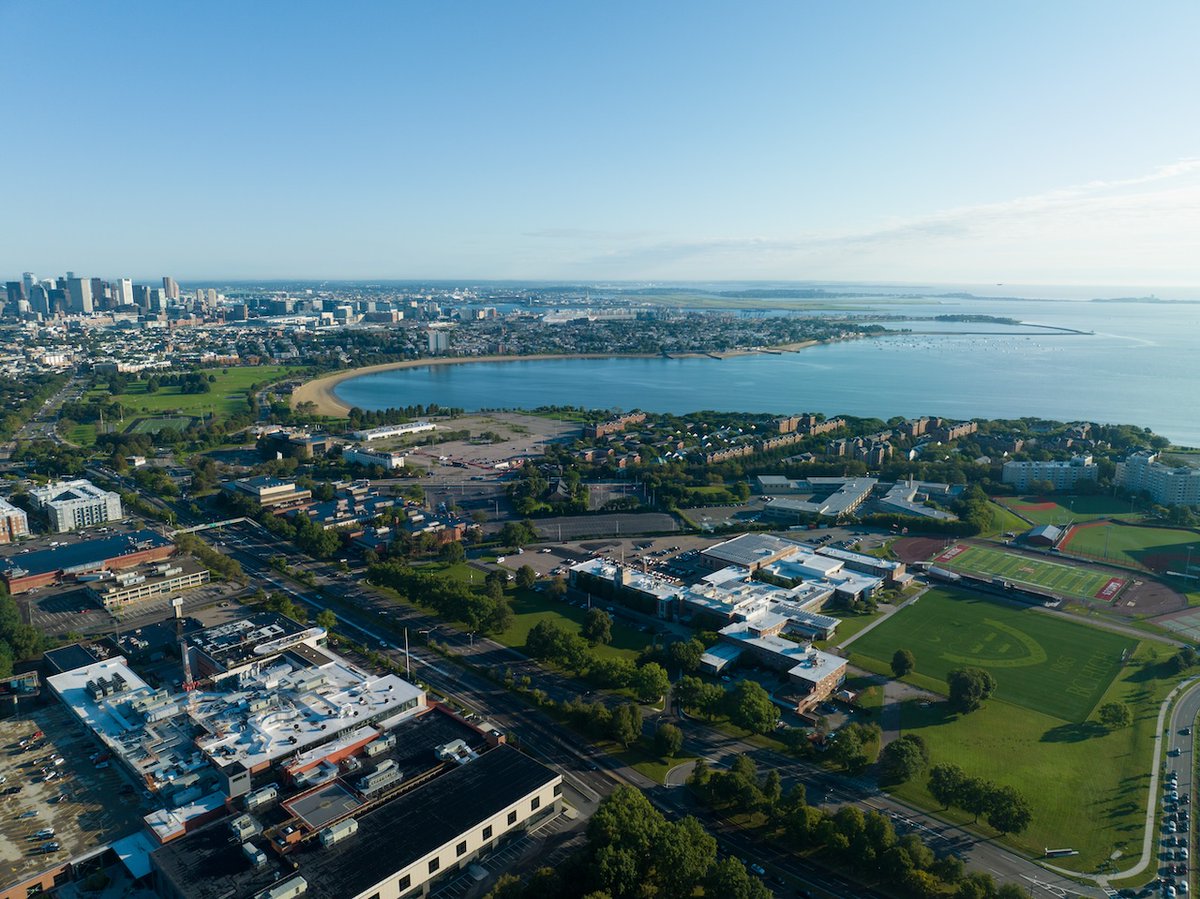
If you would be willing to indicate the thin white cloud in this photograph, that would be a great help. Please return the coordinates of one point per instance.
(1142, 228)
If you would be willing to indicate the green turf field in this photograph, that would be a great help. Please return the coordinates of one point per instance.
(1066, 580)
(1158, 549)
(1041, 662)
(158, 423)
(1062, 509)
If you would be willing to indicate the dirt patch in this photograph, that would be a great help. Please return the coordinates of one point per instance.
(918, 549)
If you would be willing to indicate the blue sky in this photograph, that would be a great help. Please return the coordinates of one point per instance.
(922, 141)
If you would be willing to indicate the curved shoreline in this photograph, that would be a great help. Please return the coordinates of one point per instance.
(319, 391)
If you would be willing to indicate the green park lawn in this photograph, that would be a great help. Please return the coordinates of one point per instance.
(1087, 786)
(1042, 662)
(1157, 549)
(530, 607)
(1062, 509)
(1003, 521)
(850, 624)
(227, 397)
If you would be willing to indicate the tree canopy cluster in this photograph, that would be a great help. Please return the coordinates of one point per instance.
(18, 641)
(633, 852)
(484, 609)
(865, 842)
(1004, 808)
(747, 705)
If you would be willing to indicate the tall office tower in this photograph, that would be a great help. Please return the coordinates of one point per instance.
(16, 293)
(170, 288)
(158, 300)
(212, 296)
(122, 292)
(79, 293)
(39, 299)
(29, 279)
(141, 296)
(200, 295)
(99, 294)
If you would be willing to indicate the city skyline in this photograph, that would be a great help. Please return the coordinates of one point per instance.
(1018, 144)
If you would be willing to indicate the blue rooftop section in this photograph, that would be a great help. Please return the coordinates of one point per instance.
(81, 556)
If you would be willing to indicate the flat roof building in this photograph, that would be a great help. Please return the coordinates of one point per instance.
(394, 850)
(267, 491)
(75, 504)
(1062, 474)
(149, 581)
(359, 455)
(386, 431)
(14, 523)
(1167, 485)
(44, 567)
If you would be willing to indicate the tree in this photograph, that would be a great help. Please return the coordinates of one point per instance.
(946, 783)
(650, 682)
(1008, 811)
(668, 740)
(975, 796)
(903, 759)
(626, 723)
(969, 688)
(526, 577)
(326, 619)
(597, 626)
(903, 662)
(700, 696)
(749, 706)
(685, 655)
(1115, 715)
(729, 879)
(453, 552)
(856, 746)
(683, 856)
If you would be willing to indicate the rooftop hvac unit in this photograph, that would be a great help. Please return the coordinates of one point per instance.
(383, 744)
(261, 796)
(243, 827)
(287, 889)
(335, 833)
(257, 857)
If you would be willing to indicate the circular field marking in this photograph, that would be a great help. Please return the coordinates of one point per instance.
(1033, 655)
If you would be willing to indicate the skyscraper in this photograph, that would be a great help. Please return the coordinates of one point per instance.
(79, 294)
(29, 279)
(122, 292)
(170, 288)
(99, 293)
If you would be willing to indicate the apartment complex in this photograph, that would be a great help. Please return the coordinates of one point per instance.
(1167, 485)
(76, 504)
(14, 523)
(1062, 474)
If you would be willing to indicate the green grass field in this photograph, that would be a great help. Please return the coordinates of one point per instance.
(1158, 549)
(1061, 509)
(158, 423)
(1087, 786)
(228, 394)
(1066, 580)
(531, 607)
(1041, 662)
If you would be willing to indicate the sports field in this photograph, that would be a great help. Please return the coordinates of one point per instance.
(1064, 580)
(1063, 509)
(1041, 662)
(154, 425)
(1157, 549)
(227, 396)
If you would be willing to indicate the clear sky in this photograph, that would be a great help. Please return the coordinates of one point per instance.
(1045, 142)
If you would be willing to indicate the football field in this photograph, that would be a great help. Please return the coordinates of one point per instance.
(1053, 577)
(1039, 661)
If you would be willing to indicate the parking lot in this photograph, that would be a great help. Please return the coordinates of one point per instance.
(85, 807)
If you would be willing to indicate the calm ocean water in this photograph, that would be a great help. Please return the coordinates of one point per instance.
(1139, 367)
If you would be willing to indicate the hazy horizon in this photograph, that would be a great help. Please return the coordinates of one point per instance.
(1025, 143)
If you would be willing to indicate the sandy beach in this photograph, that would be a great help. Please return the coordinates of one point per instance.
(319, 391)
